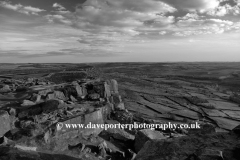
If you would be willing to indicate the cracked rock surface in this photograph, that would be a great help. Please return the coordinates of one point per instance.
(33, 101)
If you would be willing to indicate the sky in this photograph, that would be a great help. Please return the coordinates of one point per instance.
(78, 31)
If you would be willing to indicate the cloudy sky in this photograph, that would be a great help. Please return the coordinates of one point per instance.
(119, 30)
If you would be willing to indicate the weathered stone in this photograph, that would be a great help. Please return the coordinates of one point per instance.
(25, 148)
(144, 135)
(35, 98)
(107, 90)
(4, 122)
(27, 103)
(94, 96)
(117, 133)
(13, 120)
(47, 137)
(235, 98)
(115, 99)
(45, 107)
(108, 109)
(79, 90)
(21, 89)
(88, 124)
(12, 112)
(73, 99)
(30, 80)
(57, 95)
(50, 106)
(44, 92)
(94, 118)
(120, 106)
(84, 90)
(41, 83)
(5, 88)
(124, 117)
(70, 90)
(113, 86)
(99, 88)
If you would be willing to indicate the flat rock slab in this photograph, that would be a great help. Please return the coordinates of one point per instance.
(225, 123)
(187, 113)
(214, 113)
(232, 114)
(224, 105)
(158, 107)
(134, 107)
(202, 96)
(221, 95)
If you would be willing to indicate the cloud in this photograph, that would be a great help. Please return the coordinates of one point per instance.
(131, 20)
(20, 8)
(60, 9)
(193, 5)
(190, 27)
(224, 10)
(190, 16)
(95, 14)
(162, 32)
(58, 6)
(58, 19)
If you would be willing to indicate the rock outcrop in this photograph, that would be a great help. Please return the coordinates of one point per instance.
(60, 117)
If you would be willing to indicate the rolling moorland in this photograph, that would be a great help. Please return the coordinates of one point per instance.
(208, 93)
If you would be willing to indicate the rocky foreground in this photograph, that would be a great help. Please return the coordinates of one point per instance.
(31, 109)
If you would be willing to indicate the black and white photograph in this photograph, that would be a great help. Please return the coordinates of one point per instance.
(119, 79)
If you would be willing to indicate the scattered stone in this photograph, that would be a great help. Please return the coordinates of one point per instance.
(144, 135)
